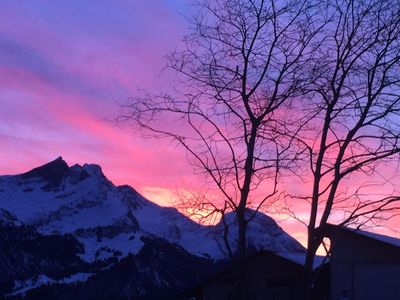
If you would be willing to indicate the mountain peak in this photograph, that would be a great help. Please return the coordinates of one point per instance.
(251, 215)
(61, 203)
(262, 232)
(53, 170)
(93, 169)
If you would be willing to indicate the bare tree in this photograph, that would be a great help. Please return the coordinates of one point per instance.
(351, 121)
(239, 70)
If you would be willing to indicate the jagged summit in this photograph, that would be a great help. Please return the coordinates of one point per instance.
(53, 170)
(80, 200)
(104, 224)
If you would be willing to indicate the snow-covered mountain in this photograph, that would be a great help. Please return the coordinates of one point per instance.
(80, 200)
(112, 222)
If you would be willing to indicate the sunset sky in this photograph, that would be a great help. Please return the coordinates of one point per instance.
(64, 67)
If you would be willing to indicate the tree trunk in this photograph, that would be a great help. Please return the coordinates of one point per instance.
(314, 240)
(240, 276)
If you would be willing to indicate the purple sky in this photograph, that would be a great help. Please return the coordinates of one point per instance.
(63, 67)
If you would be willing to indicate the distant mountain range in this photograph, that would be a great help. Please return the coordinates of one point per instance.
(69, 232)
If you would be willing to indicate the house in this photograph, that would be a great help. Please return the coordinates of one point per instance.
(269, 275)
(363, 265)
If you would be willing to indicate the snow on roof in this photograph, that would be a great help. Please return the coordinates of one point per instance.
(379, 237)
(372, 235)
(300, 258)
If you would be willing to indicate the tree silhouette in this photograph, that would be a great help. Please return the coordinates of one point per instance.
(263, 86)
(238, 70)
(350, 119)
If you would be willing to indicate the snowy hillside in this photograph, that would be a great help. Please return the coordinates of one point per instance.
(57, 199)
(108, 222)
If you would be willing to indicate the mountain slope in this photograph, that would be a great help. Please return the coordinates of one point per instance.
(159, 271)
(80, 207)
(80, 200)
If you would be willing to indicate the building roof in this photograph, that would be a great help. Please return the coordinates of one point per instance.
(295, 257)
(376, 236)
(300, 258)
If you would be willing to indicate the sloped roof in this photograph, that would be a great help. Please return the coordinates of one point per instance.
(295, 257)
(372, 235)
(300, 258)
(380, 237)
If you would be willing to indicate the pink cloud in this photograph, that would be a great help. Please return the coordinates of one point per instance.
(63, 67)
